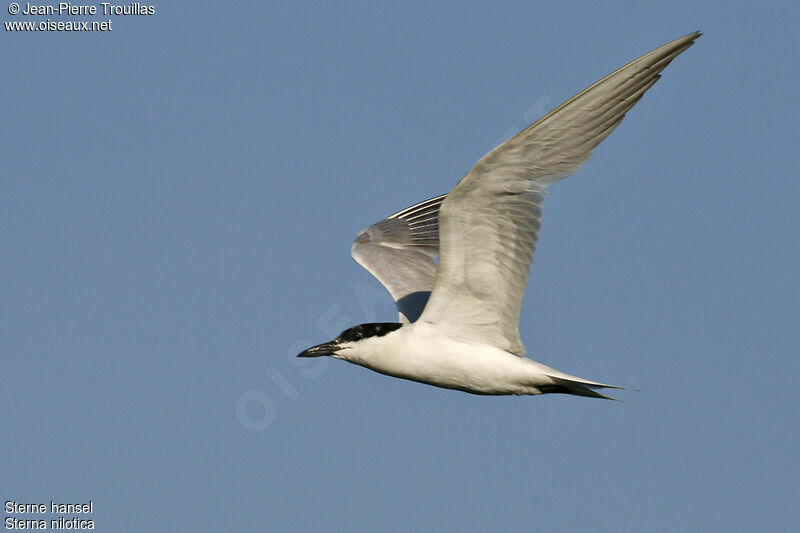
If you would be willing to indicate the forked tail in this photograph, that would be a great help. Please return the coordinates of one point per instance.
(564, 384)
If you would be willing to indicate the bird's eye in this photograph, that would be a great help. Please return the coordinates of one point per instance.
(352, 335)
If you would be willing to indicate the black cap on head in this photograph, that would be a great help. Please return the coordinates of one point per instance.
(354, 334)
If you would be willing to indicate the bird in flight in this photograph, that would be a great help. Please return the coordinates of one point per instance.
(459, 320)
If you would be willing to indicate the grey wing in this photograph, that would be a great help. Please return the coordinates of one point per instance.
(489, 222)
(400, 251)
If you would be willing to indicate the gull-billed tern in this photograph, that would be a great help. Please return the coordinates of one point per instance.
(459, 320)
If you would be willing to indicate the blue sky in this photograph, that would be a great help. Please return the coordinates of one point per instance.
(177, 201)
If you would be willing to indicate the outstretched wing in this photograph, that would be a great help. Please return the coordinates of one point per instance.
(489, 222)
(400, 251)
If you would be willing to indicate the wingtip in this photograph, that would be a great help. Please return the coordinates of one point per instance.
(690, 38)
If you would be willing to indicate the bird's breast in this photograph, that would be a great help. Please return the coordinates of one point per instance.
(422, 355)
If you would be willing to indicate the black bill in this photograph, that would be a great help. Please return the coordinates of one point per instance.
(328, 348)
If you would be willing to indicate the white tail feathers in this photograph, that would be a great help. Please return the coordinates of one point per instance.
(565, 384)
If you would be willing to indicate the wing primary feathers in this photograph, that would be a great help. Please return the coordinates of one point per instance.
(488, 223)
(400, 252)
